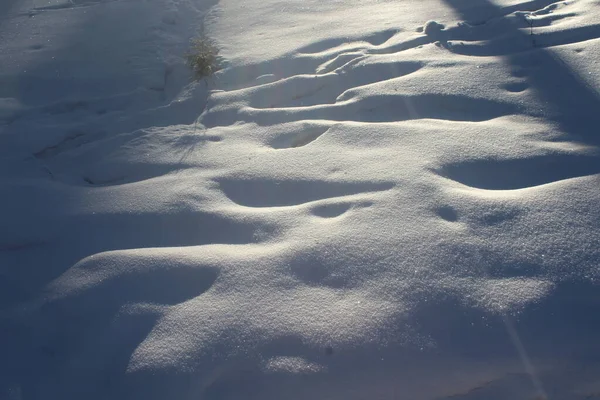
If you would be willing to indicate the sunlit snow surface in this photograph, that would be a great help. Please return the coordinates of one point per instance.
(372, 200)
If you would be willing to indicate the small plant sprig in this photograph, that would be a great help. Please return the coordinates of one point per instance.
(529, 19)
(203, 57)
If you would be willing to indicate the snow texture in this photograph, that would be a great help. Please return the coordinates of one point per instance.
(371, 200)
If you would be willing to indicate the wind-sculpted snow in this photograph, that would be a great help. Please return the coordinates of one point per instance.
(404, 206)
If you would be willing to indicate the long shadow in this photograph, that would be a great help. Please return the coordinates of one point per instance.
(567, 315)
(568, 101)
(56, 85)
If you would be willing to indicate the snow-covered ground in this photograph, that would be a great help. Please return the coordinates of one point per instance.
(372, 200)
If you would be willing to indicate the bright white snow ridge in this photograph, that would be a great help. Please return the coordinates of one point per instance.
(373, 199)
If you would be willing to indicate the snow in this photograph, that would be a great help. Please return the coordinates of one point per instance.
(371, 200)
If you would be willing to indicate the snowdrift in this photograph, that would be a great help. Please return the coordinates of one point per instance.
(382, 200)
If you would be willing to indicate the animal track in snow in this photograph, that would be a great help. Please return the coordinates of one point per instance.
(308, 90)
(270, 193)
(516, 87)
(299, 138)
(386, 108)
(334, 210)
(331, 210)
(516, 29)
(375, 39)
(520, 173)
(447, 213)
